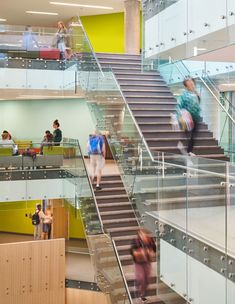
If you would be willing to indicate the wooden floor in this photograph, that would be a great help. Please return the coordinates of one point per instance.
(75, 296)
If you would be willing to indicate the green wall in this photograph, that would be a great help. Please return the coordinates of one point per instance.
(13, 219)
(106, 32)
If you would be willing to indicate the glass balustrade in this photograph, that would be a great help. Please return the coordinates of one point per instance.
(197, 31)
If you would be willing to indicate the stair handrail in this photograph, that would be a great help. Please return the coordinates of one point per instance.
(123, 276)
(90, 46)
(208, 88)
(91, 188)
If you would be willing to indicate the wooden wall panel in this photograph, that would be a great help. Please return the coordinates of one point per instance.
(32, 272)
(75, 296)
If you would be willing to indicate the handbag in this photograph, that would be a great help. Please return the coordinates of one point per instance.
(152, 257)
(140, 255)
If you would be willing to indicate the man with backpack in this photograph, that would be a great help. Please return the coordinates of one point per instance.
(37, 221)
(96, 152)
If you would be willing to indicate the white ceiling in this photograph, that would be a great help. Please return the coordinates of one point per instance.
(14, 10)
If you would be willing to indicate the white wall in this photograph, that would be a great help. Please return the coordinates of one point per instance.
(28, 119)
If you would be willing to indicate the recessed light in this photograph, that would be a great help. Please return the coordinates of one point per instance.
(41, 13)
(82, 5)
(2, 19)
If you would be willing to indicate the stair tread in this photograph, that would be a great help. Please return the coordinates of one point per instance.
(149, 96)
(195, 147)
(120, 229)
(119, 220)
(123, 238)
(178, 138)
(112, 189)
(102, 213)
(111, 196)
(114, 204)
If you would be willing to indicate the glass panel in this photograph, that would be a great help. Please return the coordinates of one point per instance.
(110, 278)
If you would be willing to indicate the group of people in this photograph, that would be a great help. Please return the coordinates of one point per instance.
(49, 139)
(30, 42)
(42, 222)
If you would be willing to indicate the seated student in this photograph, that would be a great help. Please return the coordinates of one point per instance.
(7, 142)
(47, 140)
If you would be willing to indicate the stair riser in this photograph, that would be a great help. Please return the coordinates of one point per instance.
(120, 224)
(165, 126)
(135, 107)
(138, 87)
(112, 200)
(124, 233)
(128, 214)
(141, 82)
(117, 56)
(172, 134)
(132, 283)
(148, 99)
(153, 112)
(115, 208)
(163, 119)
(122, 66)
(135, 75)
(111, 178)
(150, 94)
(123, 242)
(110, 192)
(148, 293)
(116, 61)
(113, 185)
(173, 143)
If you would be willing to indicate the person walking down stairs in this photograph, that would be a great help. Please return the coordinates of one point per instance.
(143, 251)
(96, 151)
(190, 101)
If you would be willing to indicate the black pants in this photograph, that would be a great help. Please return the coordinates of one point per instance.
(191, 136)
(48, 230)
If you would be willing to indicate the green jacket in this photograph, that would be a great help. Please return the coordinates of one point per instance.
(189, 101)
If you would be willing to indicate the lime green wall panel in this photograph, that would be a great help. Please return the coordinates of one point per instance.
(13, 219)
(106, 32)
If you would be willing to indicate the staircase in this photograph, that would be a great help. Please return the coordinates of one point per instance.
(152, 103)
(119, 220)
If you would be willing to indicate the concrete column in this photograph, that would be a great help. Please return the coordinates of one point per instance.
(132, 26)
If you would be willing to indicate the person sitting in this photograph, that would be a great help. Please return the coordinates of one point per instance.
(7, 142)
(47, 140)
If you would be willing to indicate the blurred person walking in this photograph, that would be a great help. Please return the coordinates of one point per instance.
(96, 152)
(190, 101)
(143, 251)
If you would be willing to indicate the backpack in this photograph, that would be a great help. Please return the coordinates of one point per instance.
(35, 218)
(30, 152)
(94, 145)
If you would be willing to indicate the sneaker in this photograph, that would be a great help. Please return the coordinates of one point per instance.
(143, 299)
(191, 154)
(98, 188)
(181, 148)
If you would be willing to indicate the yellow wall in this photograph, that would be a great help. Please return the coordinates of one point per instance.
(13, 219)
(106, 32)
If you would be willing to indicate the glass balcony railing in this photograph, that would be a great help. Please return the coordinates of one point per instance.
(198, 31)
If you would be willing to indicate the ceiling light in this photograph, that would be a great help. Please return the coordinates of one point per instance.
(2, 19)
(41, 13)
(82, 5)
